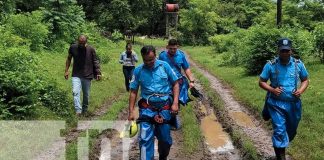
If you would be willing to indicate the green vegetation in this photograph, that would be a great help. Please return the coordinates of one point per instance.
(192, 137)
(308, 142)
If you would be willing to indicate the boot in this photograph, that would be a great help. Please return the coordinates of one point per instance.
(164, 149)
(280, 153)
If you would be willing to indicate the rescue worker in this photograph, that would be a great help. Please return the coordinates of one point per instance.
(159, 100)
(177, 60)
(128, 58)
(283, 103)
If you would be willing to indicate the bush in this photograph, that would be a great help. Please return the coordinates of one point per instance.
(232, 46)
(319, 41)
(30, 27)
(262, 46)
(54, 98)
(116, 36)
(18, 83)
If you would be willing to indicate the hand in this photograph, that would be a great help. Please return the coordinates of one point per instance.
(98, 77)
(297, 93)
(66, 75)
(174, 109)
(131, 116)
(191, 84)
(277, 91)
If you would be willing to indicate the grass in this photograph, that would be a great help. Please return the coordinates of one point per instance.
(309, 142)
(238, 137)
(111, 115)
(192, 137)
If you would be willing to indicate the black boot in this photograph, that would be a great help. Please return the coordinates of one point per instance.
(164, 149)
(280, 153)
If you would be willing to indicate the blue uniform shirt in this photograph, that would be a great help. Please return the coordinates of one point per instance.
(156, 80)
(179, 59)
(285, 76)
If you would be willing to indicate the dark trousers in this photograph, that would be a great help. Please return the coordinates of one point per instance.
(128, 73)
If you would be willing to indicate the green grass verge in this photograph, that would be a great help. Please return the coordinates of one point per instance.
(309, 142)
(192, 136)
(111, 115)
(239, 139)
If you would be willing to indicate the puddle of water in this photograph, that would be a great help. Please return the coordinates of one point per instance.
(242, 119)
(213, 132)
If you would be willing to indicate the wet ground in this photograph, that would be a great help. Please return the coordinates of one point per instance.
(216, 144)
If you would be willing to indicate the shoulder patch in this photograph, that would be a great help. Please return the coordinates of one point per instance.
(273, 61)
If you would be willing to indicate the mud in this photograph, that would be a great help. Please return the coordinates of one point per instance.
(217, 140)
(56, 150)
(237, 117)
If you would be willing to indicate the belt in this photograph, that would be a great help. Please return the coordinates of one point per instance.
(143, 104)
(286, 100)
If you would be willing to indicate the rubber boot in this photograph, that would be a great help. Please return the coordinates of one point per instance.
(164, 149)
(280, 153)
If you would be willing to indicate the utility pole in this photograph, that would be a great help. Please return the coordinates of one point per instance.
(279, 13)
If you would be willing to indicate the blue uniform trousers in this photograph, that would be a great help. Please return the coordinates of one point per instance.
(149, 130)
(285, 117)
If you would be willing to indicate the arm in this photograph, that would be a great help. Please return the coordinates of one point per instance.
(175, 104)
(302, 88)
(131, 105)
(135, 57)
(67, 66)
(121, 58)
(96, 64)
(190, 77)
(264, 85)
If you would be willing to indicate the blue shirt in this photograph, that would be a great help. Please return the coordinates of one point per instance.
(179, 62)
(156, 80)
(285, 76)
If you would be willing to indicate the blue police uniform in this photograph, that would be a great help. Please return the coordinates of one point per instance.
(178, 61)
(156, 87)
(285, 109)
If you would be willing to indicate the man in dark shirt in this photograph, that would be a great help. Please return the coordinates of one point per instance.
(85, 67)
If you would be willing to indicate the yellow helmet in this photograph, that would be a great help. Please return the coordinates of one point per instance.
(133, 129)
(130, 130)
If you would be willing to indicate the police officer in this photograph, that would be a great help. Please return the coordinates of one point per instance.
(283, 101)
(159, 100)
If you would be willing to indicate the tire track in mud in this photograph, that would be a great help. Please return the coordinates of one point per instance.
(237, 117)
(57, 149)
(216, 139)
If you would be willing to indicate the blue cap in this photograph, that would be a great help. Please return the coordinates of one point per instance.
(284, 44)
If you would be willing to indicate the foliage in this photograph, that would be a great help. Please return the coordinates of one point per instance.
(262, 43)
(116, 36)
(319, 41)
(18, 92)
(8, 39)
(30, 27)
(6, 7)
(305, 13)
(66, 19)
(232, 46)
(54, 98)
(201, 14)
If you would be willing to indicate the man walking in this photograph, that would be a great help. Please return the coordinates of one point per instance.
(283, 103)
(85, 68)
(177, 60)
(159, 100)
